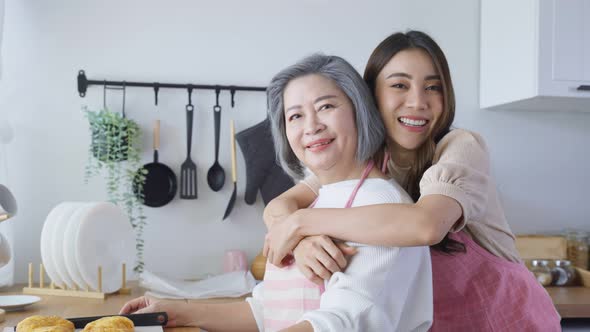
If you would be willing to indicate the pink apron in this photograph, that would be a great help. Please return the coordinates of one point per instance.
(477, 291)
(287, 293)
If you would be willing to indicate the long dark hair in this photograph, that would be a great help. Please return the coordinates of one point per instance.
(386, 50)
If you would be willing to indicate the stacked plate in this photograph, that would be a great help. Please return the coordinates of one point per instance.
(78, 237)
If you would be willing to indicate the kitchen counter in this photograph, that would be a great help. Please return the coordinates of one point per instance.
(571, 302)
(69, 307)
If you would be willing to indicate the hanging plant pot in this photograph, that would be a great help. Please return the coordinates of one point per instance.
(111, 143)
(110, 135)
(114, 152)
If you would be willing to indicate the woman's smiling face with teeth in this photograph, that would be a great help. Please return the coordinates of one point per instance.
(410, 99)
(320, 125)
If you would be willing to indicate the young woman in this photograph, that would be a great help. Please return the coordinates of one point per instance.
(479, 282)
(323, 118)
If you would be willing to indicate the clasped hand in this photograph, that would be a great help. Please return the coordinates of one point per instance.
(281, 239)
(317, 257)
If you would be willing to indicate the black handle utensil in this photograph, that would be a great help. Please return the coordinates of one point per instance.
(149, 319)
(232, 199)
(188, 170)
(216, 174)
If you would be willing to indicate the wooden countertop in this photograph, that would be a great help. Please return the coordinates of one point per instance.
(69, 307)
(571, 302)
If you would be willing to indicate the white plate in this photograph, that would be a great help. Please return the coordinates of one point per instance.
(59, 238)
(47, 242)
(17, 302)
(105, 238)
(70, 230)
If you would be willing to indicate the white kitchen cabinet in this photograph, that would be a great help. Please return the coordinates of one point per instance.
(535, 55)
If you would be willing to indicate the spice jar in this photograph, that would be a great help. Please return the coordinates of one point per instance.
(577, 249)
(540, 268)
(563, 273)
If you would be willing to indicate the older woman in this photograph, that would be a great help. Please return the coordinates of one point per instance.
(323, 118)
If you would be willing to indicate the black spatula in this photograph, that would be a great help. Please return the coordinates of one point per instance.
(188, 170)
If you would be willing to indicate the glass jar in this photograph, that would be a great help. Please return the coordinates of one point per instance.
(577, 249)
(540, 268)
(563, 273)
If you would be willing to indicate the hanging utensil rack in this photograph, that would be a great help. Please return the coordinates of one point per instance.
(84, 82)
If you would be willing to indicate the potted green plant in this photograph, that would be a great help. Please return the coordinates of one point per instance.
(114, 152)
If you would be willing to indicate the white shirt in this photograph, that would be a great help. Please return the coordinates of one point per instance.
(382, 288)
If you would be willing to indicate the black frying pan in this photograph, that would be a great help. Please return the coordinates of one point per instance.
(160, 181)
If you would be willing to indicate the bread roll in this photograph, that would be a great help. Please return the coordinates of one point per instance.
(110, 324)
(40, 323)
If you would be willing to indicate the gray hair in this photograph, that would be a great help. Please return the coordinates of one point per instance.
(370, 128)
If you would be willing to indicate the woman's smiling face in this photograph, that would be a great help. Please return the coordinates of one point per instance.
(410, 98)
(320, 126)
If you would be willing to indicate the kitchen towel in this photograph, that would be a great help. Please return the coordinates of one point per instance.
(262, 170)
(233, 284)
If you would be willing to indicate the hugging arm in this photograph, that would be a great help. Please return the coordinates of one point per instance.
(392, 224)
(298, 197)
(454, 190)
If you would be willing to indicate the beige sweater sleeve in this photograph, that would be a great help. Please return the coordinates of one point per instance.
(460, 170)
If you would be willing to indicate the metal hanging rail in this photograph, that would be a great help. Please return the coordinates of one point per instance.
(83, 84)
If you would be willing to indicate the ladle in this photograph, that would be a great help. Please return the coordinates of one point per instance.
(216, 174)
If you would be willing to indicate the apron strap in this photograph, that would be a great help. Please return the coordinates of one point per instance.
(366, 172)
(385, 161)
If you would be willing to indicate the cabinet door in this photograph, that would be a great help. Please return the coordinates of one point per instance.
(571, 40)
(564, 46)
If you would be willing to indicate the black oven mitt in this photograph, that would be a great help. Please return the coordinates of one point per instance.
(262, 169)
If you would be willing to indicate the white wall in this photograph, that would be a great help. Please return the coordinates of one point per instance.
(212, 42)
(539, 159)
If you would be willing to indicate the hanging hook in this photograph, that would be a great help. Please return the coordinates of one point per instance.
(217, 91)
(190, 94)
(156, 89)
(124, 93)
(104, 95)
(189, 106)
(232, 91)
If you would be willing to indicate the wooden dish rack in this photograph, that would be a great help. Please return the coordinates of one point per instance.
(63, 290)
